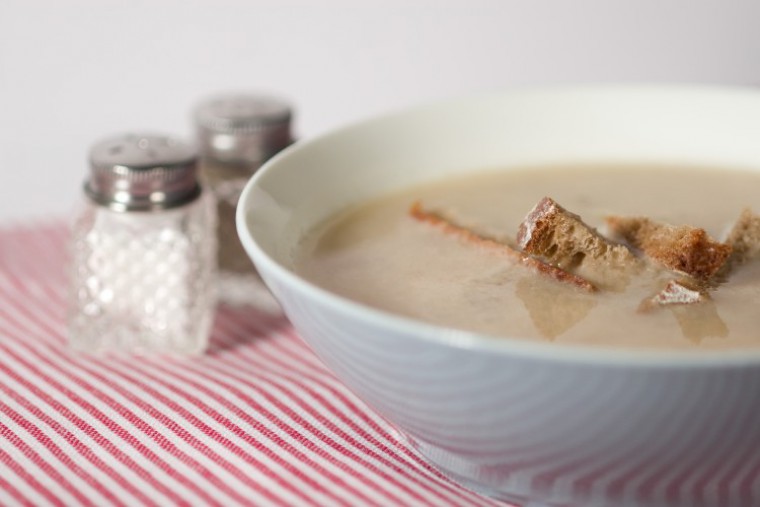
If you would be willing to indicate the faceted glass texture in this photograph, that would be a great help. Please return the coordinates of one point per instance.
(143, 281)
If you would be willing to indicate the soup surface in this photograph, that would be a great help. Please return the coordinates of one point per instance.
(377, 254)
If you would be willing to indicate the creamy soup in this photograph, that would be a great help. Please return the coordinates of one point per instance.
(377, 254)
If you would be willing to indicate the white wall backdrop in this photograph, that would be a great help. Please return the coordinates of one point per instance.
(73, 71)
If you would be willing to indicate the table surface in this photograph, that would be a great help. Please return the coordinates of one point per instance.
(256, 420)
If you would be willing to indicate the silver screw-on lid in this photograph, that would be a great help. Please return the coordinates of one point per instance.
(142, 172)
(242, 128)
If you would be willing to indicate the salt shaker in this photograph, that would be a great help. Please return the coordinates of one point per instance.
(143, 250)
(236, 134)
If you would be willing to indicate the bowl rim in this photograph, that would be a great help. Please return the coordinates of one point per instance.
(613, 356)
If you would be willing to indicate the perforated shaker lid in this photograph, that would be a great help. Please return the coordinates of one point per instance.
(242, 127)
(142, 172)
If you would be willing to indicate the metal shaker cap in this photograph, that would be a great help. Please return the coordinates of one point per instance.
(142, 172)
(242, 128)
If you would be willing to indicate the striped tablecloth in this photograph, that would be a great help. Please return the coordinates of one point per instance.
(258, 420)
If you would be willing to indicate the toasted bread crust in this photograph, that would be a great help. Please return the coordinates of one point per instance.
(450, 227)
(562, 239)
(685, 249)
(744, 238)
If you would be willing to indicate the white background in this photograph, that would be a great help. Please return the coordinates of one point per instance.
(74, 71)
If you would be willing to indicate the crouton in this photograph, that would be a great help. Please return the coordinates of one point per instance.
(685, 249)
(676, 292)
(744, 238)
(691, 305)
(449, 226)
(562, 239)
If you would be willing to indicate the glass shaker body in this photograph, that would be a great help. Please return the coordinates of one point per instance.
(143, 280)
(236, 134)
(226, 180)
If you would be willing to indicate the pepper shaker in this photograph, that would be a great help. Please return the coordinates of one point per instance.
(143, 250)
(236, 134)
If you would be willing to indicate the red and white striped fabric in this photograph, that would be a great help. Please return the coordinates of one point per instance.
(258, 420)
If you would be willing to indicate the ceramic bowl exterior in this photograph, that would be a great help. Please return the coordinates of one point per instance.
(518, 420)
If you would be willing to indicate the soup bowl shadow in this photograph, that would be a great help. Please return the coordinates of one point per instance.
(518, 420)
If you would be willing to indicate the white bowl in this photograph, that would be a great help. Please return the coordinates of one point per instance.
(514, 419)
